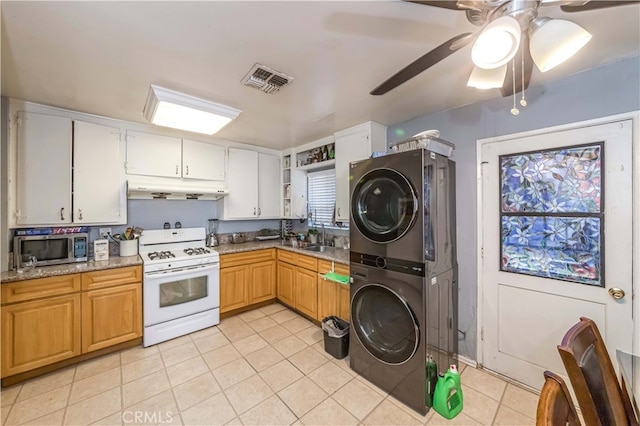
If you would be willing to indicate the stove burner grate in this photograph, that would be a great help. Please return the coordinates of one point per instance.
(196, 251)
(161, 255)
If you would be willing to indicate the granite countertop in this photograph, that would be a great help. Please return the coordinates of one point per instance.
(70, 268)
(331, 253)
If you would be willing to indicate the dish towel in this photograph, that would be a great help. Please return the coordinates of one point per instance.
(300, 208)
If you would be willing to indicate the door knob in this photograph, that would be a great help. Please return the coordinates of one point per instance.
(616, 293)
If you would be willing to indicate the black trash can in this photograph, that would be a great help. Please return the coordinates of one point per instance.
(336, 336)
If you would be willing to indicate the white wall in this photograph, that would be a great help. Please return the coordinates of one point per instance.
(608, 90)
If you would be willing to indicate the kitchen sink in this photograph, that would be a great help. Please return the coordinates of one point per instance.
(316, 248)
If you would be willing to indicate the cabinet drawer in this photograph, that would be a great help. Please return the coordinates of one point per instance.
(286, 256)
(255, 256)
(111, 277)
(324, 266)
(40, 287)
(307, 262)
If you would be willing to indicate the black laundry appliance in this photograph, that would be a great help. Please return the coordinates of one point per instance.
(403, 272)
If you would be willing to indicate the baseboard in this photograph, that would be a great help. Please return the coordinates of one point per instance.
(470, 362)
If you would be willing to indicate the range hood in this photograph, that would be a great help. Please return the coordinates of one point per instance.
(174, 189)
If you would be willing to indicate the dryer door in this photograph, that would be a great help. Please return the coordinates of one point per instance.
(383, 205)
(384, 324)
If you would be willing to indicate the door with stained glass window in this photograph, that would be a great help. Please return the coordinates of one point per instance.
(556, 238)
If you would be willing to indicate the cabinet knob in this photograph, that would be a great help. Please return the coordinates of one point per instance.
(254, 211)
(187, 170)
(338, 211)
(177, 169)
(80, 214)
(259, 211)
(62, 213)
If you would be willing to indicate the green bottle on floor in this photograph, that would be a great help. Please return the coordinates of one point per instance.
(447, 398)
(432, 379)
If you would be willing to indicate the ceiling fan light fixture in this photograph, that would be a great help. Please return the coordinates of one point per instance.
(553, 41)
(482, 78)
(169, 108)
(497, 44)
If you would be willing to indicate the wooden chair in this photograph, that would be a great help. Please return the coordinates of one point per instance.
(593, 378)
(555, 406)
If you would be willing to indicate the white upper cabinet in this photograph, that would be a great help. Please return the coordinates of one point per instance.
(353, 144)
(268, 186)
(202, 160)
(43, 169)
(163, 156)
(98, 191)
(51, 189)
(153, 155)
(253, 180)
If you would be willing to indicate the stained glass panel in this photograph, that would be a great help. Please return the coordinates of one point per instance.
(552, 214)
(562, 180)
(566, 248)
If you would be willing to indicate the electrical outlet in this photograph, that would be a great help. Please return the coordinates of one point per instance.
(105, 232)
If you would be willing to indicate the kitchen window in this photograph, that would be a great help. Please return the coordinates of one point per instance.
(321, 189)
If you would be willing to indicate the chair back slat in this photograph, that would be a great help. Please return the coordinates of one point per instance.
(555, 406)
(593, 377)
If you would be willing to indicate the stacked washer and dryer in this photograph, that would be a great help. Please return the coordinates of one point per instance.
(403, 272)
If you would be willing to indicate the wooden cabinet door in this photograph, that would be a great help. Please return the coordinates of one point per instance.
(286, 284)
(38, 333)
(242, 181)
(233, 288)
(344, 301)
(98, 191)
(43, 169)
(306, 288)
(110, 316)
(153, 155)
(327, 298)
(262, 281)
(202, 160)
(269, 195)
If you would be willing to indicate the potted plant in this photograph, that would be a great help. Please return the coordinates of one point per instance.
(313, 235)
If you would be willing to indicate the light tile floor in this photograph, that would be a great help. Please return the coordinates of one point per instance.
(263, 367)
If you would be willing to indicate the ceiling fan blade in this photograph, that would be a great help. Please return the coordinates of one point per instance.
(520, 83)
(595, 4)
(446, 4)
(424, 62)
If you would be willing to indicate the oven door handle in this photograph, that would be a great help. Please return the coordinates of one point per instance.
(178, 271)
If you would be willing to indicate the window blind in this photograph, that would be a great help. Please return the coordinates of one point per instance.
(321, 188)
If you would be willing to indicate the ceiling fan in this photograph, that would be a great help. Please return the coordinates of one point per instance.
(512, 32)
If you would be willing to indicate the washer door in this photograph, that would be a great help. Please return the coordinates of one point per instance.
(383, 205)
(384, 324)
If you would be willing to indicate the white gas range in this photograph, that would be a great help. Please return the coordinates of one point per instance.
(181, 283)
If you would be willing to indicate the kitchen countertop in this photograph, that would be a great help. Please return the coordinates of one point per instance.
(70, 268)
(330, 253)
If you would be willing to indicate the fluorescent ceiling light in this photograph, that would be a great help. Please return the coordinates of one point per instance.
(553, 41)
(497, 43)
(173, 109)
(481, 78)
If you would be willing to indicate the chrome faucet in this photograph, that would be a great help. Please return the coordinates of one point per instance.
(323, 236)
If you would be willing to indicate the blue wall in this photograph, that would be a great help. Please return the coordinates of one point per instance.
(599, 92)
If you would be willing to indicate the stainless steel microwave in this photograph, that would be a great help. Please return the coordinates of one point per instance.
(55, 249)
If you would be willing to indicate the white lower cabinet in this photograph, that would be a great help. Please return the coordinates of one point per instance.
(354, 144)
(253, 180)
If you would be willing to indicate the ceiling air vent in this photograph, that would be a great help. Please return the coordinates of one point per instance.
(266, 79)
